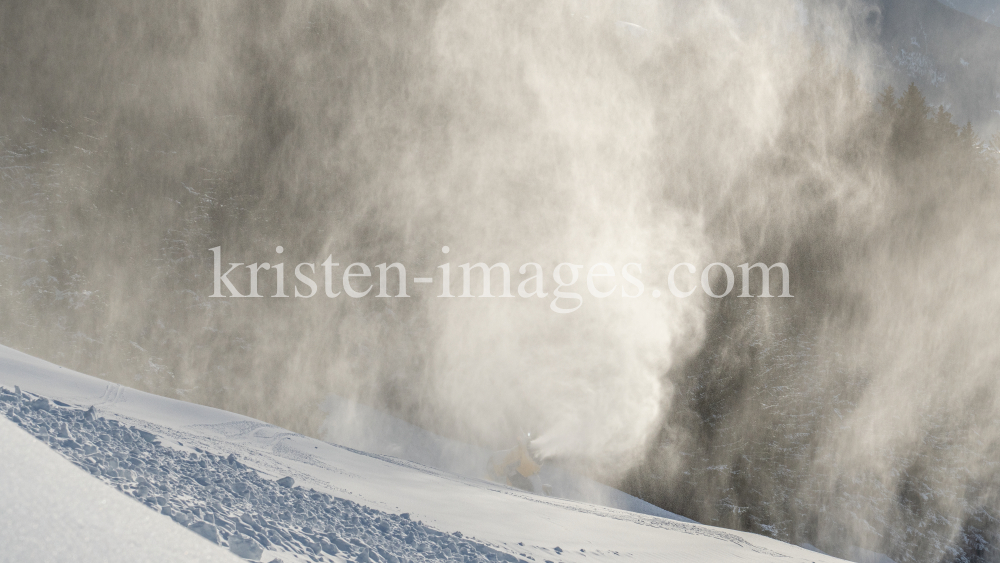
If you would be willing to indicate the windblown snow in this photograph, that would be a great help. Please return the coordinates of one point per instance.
(148, 467)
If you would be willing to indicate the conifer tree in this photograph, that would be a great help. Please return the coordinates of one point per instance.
(910, 127)
(887, 102)
(967, 137)
(945, 131)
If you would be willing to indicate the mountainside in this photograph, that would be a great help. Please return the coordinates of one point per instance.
(140, 139)
(985, 10)
(954, 58)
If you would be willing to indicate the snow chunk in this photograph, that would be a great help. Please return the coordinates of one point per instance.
(245, 547)
(206, 530)
(40, 404)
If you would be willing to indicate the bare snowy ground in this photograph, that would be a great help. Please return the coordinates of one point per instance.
(267, 493)
(51, 512)
(228, 503)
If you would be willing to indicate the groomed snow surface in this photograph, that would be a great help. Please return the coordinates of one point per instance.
(162, 480)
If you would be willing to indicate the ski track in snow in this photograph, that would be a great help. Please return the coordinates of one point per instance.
(228, 502)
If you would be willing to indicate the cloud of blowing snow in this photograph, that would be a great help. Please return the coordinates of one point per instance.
(633, 132)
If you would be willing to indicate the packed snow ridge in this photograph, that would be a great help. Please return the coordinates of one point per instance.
(227, 502)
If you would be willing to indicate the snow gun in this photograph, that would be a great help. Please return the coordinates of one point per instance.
(518, 467)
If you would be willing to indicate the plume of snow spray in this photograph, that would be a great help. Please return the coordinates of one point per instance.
(565, 132)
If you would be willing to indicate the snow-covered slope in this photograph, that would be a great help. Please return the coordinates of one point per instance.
(363, 428)
(52, 511)
(349, 483)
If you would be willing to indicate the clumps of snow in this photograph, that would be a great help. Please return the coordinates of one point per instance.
(245, 547)
(230, 504)
(203, 529)
(51, 512)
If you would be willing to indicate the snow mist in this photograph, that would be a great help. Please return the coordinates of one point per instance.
(580, 132)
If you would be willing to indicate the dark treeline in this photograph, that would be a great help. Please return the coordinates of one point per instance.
(779, 390)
